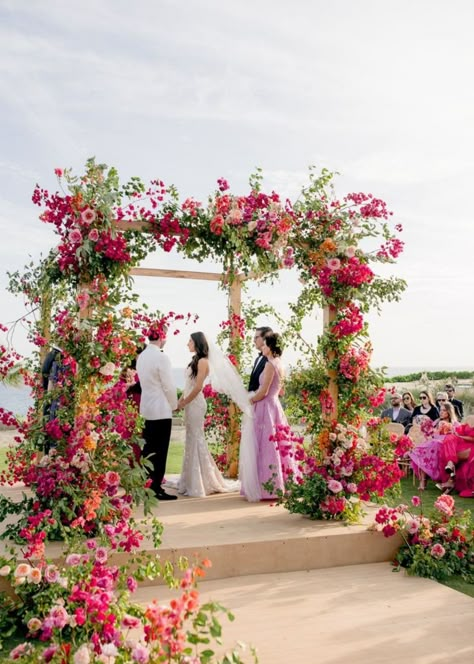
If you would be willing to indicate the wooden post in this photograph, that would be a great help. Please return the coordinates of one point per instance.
(235, 308)
(329, 315)
(45, 308)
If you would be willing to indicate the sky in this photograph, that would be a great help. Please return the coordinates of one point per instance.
(191, 91)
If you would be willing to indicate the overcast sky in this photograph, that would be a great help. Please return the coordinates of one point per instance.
(190, 91)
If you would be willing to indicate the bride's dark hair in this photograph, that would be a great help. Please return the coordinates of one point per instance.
(202, 350)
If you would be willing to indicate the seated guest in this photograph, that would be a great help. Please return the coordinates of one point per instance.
(408, 401)
(427, 408)
(397, 413)
(457, 458)
(458, 405)
(441, 398)
(426, 458)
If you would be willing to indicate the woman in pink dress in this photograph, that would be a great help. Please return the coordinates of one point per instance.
(457, 457)
(426, 457)
(272, 464)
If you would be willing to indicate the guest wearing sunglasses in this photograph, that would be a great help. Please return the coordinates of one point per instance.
(408, 401)
(427, 408)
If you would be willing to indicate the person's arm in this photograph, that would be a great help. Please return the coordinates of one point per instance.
(166, 378)
(267, 377)
(202, 371)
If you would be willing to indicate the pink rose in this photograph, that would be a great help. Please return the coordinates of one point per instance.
(333, 264)
(88, 216)
(75, 236)
(350, 251)
(437, 551)
(93, 235)
(335, 486)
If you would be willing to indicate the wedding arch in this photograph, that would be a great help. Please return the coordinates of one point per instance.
(105, 229)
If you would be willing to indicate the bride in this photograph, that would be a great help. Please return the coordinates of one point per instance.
(200, 475)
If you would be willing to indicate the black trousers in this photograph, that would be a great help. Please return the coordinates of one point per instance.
(157, 434)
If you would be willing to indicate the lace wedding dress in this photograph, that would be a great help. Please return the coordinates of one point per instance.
(200, 475)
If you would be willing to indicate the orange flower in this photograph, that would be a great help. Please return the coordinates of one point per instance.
(328, 245)
(323, 439)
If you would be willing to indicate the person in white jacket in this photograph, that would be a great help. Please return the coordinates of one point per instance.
(158, 400)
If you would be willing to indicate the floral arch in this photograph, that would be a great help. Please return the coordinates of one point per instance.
(84, 288)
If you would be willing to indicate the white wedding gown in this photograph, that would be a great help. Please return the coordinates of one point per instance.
(199, 476)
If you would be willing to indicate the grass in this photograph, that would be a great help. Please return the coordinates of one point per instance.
(175, 458)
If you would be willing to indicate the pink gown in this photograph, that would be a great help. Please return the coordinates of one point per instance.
(464, 478)
(268, 415)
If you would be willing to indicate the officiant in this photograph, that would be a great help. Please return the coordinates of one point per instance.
(260, 360)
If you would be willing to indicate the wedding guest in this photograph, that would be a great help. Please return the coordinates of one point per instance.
(441, 398)
(260, 360)
(397, 413)
(158, 400)
(458, 405)
(457, 457)
(426, 458)
(272, 464)
(427, 408)
(408, 401)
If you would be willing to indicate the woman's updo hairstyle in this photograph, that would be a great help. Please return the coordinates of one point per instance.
(273, 342)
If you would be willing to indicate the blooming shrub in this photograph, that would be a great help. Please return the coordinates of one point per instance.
(437, 546)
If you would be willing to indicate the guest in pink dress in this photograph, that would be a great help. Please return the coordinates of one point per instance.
(426, 457)
(457, 457)
(271, 463)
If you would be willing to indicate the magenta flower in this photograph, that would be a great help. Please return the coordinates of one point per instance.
(416, 501)
(101, 554)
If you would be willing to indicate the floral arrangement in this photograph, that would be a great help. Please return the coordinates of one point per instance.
(437, 546)
(81, 609)
(335, 474)
(247, 233)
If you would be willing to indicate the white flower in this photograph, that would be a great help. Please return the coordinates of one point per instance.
(5, 570)
(108, 369)
(82, 656)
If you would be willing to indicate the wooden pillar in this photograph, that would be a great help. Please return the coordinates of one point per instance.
(329, 315)
(45, 322)
(235, 308)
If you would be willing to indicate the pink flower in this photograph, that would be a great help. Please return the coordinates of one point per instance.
(88, 216)
(59, 616)
(445, 504)
(333, 264)
(437, 551)
(132, 585)
(75, 236)
(350, 251)
(51, 574)
(130, 621)
(335, 486)
(58, 172)
(112, 478)
(101, 554)
(140, 654)
(352, 487)
(73, 559)
(413, 526)
(93, 235)
(416, 501)
(22, 570)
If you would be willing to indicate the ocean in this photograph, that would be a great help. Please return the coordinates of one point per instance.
(18, 399)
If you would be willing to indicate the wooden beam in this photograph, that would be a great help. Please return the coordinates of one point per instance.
(175, 274)
(134, 226)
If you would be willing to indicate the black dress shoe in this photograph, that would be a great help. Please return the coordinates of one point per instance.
(162, 495)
